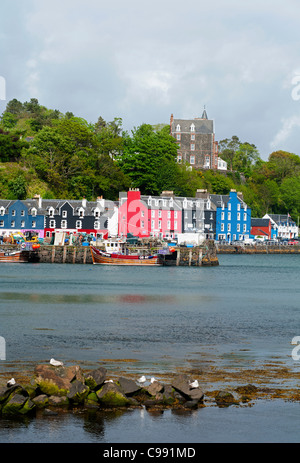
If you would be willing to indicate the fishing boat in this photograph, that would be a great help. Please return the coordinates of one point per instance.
(14, 256)
(26, 252)
(118, 258)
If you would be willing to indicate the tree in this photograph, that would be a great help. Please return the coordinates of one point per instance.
(145, 154)
(228, 148)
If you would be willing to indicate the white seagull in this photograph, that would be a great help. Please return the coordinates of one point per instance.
(109, 381)
(142, 379)
(194, 384)
(153, 380)
(11, 382)
(56, 363)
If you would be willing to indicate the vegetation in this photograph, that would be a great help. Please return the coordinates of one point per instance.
(56, 155)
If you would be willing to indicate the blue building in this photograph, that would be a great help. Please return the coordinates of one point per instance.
(21, 216)
(233, 217)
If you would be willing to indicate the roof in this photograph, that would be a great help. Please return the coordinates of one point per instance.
(257, 222)
(202, 126)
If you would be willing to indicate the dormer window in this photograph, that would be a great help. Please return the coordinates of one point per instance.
(177, 128)
(33, 212)
(64, 214)
(192, 128)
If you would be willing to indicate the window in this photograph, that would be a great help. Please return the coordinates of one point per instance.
(229, 215)
(245, 216)
(238, 207)
(142, 224)
(192, 136)
(78, 224)
(179, 158)
(63, 224)
(238, 216)
(2, 211)
(244, 228)
(33, 224)
(12, 224)
(192, 146)
(229, 227)
(22, 213)
(175, 225)
(222, 215)
(159, 213)
(52, 224)
(169, 225)
(175, 214)
(64, 214)
(177, 128)
(1, 223)
(178, 136)
(142, 213)
(238, 227)
(22, 223)
(51, 212)
(96, 225)
(192, 159)
(169, 214)
(159, 224)
(229, 206)
(192, 127)
(13, 212)
(152, 224)
(222, 227)
(33, 212)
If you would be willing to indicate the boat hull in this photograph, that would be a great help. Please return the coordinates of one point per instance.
(14, 256)
(103, 258)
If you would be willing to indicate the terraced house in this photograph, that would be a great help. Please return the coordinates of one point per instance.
(233, 217)
(21, 216)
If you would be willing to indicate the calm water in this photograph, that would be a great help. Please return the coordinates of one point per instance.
(244, 312)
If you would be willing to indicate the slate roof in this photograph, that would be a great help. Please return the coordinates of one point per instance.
(203, 126)
(257, 222)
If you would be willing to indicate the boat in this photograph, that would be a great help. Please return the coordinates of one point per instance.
(14, 256)
(21, 254)
(119, 258)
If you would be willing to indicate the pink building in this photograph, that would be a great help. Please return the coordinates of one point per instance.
(145, 216)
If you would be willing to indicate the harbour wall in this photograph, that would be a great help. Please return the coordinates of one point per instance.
(259, 249)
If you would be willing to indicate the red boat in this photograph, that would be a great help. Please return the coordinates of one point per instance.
(14, 256)
(105, 258)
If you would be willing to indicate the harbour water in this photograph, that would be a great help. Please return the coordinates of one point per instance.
(155, 321)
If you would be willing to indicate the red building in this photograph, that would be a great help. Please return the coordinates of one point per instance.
(261, 227)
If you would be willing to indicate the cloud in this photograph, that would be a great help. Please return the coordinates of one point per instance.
(143, 61)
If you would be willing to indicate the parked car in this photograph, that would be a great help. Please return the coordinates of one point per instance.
(293, 242)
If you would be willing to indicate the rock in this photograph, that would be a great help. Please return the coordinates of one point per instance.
(56, 380)
(58, 401)
(41, 401)
(17, 404)
(6, 392)
(225, 398)
(78, 392)
(248, 389)
(128, 386)
(182, 385)
(111, 395)
(95, 378)
(155, 388)
(48, 412)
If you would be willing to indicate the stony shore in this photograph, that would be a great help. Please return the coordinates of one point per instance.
(52, 389)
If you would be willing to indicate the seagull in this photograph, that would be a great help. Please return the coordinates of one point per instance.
(142, 379)
(194, 384)
(11, 382)
(153, 380)
(56, 363)
(109, 381)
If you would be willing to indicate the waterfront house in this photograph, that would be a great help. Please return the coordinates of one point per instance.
(285, 225)
(233, 216)
(21, 216)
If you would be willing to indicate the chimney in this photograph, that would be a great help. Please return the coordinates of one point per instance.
(39, 200)
(202, 194)
(169, 194)
(84, 202)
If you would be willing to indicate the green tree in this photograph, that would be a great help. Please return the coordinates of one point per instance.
(145, 154)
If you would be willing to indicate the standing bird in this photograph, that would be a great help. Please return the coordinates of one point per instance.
(142, 379)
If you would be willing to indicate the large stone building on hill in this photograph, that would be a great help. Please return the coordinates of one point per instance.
(196, 140)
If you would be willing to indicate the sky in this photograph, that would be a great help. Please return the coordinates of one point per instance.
(143, 61)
